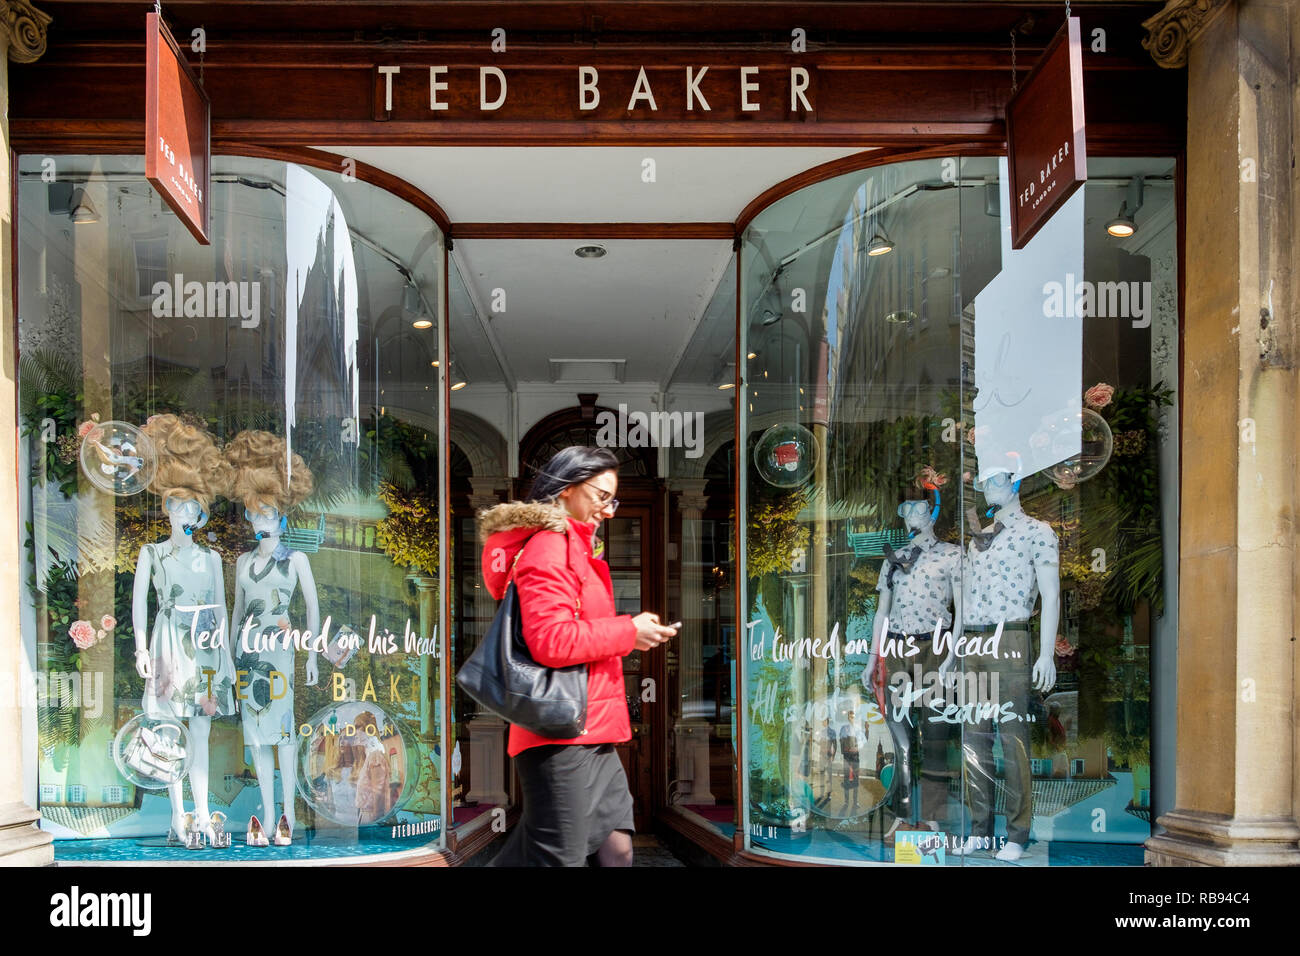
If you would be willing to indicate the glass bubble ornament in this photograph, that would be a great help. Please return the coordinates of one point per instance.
(1095, 448)
(117, 457)
(785, 455)
(152, 752)
(357, 765)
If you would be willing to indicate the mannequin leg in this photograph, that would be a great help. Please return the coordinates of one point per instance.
(174, 794)
(288, 781)
(616, 850)
(264, 768)
(200, 728)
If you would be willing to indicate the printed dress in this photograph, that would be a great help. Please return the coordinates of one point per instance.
(188, 680)
(268, 585)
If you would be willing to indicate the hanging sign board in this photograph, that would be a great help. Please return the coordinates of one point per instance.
(1046, 154)
(178, 146)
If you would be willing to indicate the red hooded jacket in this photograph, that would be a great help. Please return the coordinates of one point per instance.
(566, 602)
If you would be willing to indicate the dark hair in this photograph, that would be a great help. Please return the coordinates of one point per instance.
(570, 466)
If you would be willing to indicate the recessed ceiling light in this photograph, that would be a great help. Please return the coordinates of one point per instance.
(422, 324)
(589, 252)
(726, 385)
(752, 355)
(458, 386)
(434, 363)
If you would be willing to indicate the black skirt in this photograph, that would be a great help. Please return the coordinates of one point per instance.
(575, 796)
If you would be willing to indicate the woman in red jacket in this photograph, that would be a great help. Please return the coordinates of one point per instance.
(576, 799)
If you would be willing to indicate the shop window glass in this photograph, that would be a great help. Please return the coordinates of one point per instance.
(930, 426)
(231, 477)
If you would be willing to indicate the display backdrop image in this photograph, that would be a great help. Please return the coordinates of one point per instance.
(901, 702)
(231, 475)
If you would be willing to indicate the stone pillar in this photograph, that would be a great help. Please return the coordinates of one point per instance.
(22, 39)
(487, 732)
(692, 730)
(1237, 771)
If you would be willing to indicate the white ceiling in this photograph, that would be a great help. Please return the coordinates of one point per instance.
(591, 184)
(643, 301)
(640, 302)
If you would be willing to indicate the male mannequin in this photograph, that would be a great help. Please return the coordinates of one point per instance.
(917, 586)
(1006, 570)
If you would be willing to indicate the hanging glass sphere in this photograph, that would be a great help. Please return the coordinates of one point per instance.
(1095, 447)
(152, 753)
(785, 455)
(356, 764)
(117, 457)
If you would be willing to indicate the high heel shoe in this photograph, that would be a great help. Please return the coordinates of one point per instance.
(283, 833)
(220, 838)
(256, 835)
(176, 832)
(193, 835)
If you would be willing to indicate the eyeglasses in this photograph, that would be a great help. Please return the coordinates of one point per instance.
(606, 502)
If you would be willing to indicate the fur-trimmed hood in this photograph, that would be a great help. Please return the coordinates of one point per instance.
(504, 529)
(521, 514)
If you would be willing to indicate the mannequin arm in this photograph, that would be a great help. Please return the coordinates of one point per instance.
(312, 600)
(958, 624)
(1049, 586)
(223, 620)
(883, 607)
(140, 613)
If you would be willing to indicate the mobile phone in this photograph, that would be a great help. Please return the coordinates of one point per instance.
(676, 625)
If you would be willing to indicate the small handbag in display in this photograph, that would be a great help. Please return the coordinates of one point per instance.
(156, 752)
(503, 677)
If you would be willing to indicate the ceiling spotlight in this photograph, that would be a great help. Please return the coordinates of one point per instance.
(879, 245)
(901, 316)
(1122, 226)
(422, 323)
(590, 252)
(434, 363)
(752, 355)
(80, 211)
(726, 385)
(458, 386)
(1125, 222)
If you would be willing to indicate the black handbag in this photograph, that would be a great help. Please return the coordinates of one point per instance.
(503, 677)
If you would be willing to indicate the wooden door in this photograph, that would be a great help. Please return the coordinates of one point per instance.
(626, 539)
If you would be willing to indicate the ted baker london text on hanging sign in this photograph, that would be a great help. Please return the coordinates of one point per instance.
(178, 150)
(1046, 154)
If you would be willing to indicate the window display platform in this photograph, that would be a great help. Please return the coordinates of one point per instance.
(310, 847)
(831, 847)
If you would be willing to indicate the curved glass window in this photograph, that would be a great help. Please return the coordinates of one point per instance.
(231, 484)
(952, 447)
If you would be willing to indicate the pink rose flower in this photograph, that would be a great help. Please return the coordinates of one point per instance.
(84, 428)
(1099, 395)
(108, 622)
(82, 634)
(1063, 647)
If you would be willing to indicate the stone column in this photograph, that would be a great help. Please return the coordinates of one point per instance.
(487, 732)
(1237, 769)
(691, 729)
(22, 39)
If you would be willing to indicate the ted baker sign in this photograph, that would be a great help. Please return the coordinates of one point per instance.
(1046, 153)
(178, 149)
(690, 89)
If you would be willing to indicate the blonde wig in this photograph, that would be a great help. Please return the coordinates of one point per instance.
(266, 472)
(190, 468)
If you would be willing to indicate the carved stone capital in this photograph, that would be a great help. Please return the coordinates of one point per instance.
(1171, 32)
(25, 26)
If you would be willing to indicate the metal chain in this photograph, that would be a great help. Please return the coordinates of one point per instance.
(1067, 9)
(1014, 85)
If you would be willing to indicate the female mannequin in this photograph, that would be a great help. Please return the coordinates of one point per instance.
(187, 665)
(269, 480)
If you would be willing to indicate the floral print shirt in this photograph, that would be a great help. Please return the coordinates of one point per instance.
(1000, 583)
(922, 596)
